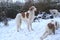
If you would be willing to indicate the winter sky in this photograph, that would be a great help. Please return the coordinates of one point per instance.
(19, 0)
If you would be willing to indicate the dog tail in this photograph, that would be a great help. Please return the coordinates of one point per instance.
(18, 17)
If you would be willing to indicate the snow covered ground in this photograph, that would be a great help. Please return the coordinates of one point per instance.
(10, 33)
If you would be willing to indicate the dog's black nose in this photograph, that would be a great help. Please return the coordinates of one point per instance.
(54, 13)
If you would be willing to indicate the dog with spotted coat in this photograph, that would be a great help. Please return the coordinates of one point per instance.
(26, 16)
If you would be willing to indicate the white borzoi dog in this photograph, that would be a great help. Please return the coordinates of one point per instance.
(54, 12)
(26, 16)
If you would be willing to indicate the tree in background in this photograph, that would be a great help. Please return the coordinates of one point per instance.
(13, 8)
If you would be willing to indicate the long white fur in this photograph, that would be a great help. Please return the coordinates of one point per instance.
(57, 14)
(29, 20)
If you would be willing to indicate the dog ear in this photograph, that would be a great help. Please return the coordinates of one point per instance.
(53, 30)
(31, 8)
(51, 27)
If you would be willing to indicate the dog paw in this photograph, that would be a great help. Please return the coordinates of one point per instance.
(17, 30)
(32, 29)
(41, 38)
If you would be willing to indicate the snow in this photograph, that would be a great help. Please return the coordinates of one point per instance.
(10, 32)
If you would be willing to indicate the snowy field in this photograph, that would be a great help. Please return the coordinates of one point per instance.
(10, 33)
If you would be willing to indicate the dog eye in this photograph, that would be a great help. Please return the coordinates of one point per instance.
(54, 13)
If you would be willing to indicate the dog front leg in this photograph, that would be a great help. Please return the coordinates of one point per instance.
(30, 26)
(45, 35)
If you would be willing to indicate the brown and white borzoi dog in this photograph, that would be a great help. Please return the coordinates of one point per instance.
(50, 28)
(26, 16)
